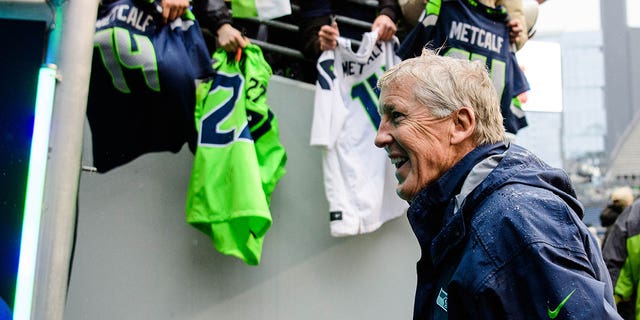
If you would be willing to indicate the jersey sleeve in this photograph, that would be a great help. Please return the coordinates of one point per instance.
(263, 123)
(329, 111)
(519, 80)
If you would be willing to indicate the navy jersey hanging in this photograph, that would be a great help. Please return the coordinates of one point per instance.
(467, 29)
(143, 80)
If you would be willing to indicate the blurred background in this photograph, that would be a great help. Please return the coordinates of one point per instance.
(123, 233)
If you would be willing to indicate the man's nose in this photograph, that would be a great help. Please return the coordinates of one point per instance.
(382, 136)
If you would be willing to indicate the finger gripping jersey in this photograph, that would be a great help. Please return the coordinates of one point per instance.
(358, 176)
(142, 86)
(239, 158)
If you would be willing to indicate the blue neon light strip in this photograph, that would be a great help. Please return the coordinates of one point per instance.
(35, 192)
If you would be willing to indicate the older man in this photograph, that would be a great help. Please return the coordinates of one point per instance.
(499, 229)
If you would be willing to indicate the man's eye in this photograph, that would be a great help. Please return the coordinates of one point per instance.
(395, 115)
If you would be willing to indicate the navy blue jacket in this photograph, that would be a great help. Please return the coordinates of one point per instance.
(512, 247)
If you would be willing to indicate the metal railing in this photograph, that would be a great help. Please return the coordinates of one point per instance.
(294, 53)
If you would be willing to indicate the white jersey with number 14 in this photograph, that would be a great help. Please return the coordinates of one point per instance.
(358, 177)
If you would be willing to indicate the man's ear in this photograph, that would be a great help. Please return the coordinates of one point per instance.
(464, 120)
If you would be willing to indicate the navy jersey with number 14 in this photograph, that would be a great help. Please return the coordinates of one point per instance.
(143, 82)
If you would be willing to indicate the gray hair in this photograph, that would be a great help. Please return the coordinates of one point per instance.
(445, 84)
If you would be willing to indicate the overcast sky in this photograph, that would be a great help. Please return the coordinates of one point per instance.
(570, 15)
(579, 15)
(542, 60)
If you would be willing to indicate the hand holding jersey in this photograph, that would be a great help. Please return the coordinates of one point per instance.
(230, 39)
(383, 25)
(328, 36)
(173, 9)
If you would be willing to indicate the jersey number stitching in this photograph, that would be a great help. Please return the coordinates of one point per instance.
(224, 95)
(497, 70)
(119, 49)
(367, 93)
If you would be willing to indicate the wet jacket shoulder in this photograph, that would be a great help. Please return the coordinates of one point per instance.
(516, 249)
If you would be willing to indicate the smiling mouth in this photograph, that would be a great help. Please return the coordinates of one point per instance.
(398, 161)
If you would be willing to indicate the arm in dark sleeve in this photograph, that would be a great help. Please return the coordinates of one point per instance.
(314, 8)
(615, 247)
(211, 13)
(315, 14)
(547, 270)
(546, 277)
(390, 8)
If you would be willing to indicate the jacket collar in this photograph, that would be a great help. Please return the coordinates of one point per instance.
(432, 215)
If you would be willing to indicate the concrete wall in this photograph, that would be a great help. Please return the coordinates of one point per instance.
(136, 257)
